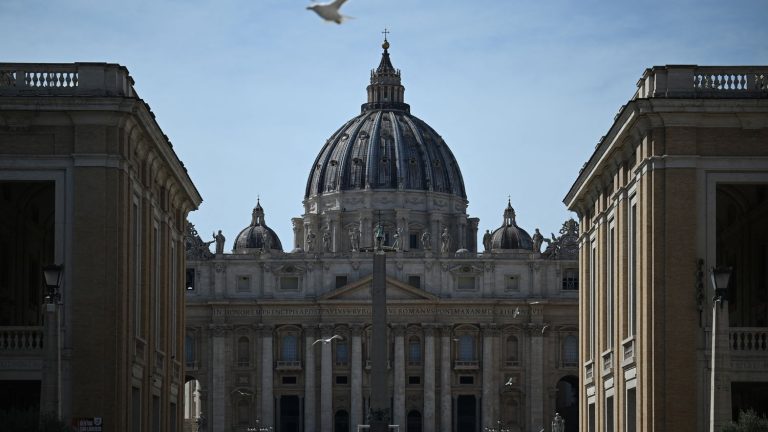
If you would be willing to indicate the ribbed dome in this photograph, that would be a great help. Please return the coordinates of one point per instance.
(385, 147)
(509, 235)
(254, 236)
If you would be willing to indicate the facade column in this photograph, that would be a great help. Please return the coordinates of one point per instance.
(429, 378)
(49, 388)
(446, 399)
(326, 384)
(490, 379)
(356, 382)
(217, 416)
(435, 227)
(399, 377)
(298, 232)
(267, 390)
(366, 234)
(309, 379)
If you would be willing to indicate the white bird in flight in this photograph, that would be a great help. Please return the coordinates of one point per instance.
(509, 382)
(330, 11)
(325, 341)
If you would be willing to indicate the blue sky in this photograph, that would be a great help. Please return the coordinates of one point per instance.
(249, 90)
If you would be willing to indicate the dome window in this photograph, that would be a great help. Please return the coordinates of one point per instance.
(334, 162)
(412, 161)
(357, 161)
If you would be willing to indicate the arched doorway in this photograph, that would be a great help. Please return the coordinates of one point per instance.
(567, 403)
(466, 413)
(193, 404)
(413, 422)
(341, 421)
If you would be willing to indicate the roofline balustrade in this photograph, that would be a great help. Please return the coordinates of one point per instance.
(65, 79)
(691, 81)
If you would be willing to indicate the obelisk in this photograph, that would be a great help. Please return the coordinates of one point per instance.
(379, 414)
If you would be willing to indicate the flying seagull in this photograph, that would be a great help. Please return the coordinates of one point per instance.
(329, 11)
(509, 382)
(544, 328)
(516, 312)
(325, 341)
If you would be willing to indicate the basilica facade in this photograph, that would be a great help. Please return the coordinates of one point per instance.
(278, 334)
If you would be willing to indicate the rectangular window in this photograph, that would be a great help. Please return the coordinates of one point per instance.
(570, 280)
(289, 283)
(512, 283)
(189, 351)
(136, 270)
(174, 299)
(156, 294)
(609, 273)
(414, 380)
(609, 414)
(156, 415)
(342, 379)
(632, 265)
(342, 353)
(414, 281)
(243, 283)
(591, 312)
(465, 283)
(466, 379)
(289, 379)
(190, 282)
(591, 418)
(413, 241)
(629, 413)
(341, 280)
(173, 427)
(135, 409)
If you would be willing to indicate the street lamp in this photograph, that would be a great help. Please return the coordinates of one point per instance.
(52, 276)
(558, 423)
(721, 276)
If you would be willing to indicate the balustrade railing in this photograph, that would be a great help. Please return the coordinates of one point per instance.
(88, 79)
(749, 339)
(703, 81)
(21, 339)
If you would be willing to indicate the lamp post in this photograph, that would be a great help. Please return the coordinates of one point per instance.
(51, 393)
(720, 278)
(558, 423)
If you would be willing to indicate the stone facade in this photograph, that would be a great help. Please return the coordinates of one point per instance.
(474, 337)
(677, 186)
(88, 180)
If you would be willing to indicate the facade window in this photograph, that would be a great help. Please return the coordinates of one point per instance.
(413, 240)
(465, 283)
(414, 281)
(342, 352)
(414, 350)
(289, 351)
(632, 264)
(341, 280)
(243, 283)
(136, 268)
(189, 350)
(513, 348)
(512, 283)
(414, 380)
(466, 350)
(609, 414)
(289, 283)
(243, 352)
(570, 351)
(609, 285)
(342, 380)
(630, 415)
(190, 282)
(570, 280)
(591, 312)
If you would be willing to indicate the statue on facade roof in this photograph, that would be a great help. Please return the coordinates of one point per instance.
(445, 240)
(487, 241)
(426, 240)
(219, 239)
(538, 239)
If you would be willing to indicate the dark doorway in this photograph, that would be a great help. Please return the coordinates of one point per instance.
(413, 423)
(466, 413)
(567, 403)
(290, 410)
(749, 395)
(341, 421)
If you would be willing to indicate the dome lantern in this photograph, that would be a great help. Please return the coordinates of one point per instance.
(385, 90)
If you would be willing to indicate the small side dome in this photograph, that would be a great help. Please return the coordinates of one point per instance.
(509, 235)
(257, 237)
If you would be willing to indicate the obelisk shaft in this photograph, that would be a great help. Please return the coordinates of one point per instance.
(379, 391)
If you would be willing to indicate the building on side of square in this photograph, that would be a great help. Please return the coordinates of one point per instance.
(474, 338)
(677, 186)
(89, 181)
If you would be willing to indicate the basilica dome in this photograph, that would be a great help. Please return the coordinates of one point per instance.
(509, 235)
(257, 236)
(385, 147)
